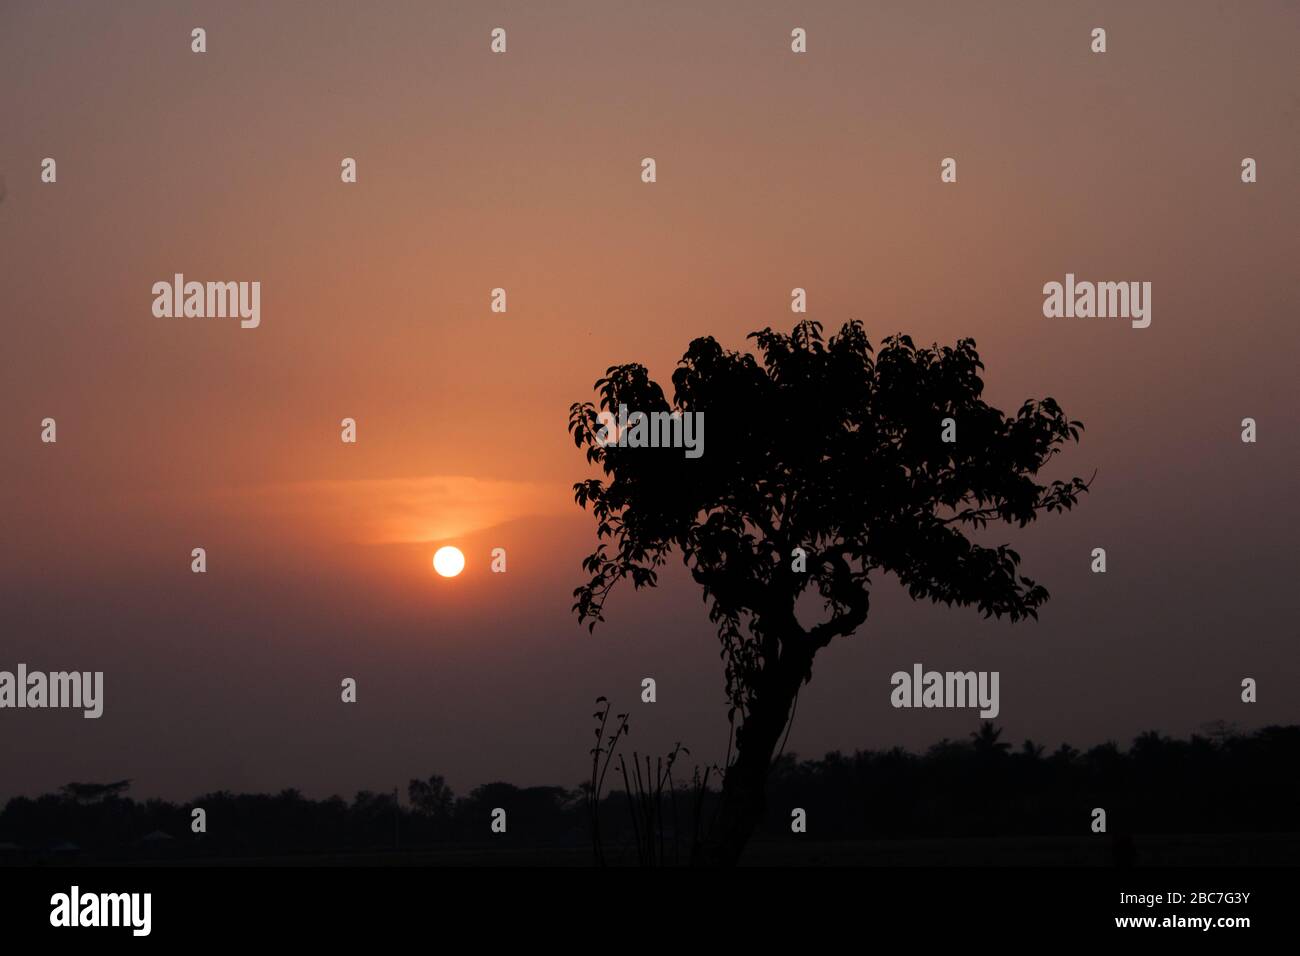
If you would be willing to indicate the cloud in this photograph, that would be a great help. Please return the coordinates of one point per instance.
(400, 510)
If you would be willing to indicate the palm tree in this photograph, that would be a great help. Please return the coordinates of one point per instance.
(986, 740)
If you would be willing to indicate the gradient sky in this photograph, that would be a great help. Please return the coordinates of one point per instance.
(522, 171)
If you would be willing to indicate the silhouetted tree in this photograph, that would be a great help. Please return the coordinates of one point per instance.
(988, 742)
(824, 448)
(432, 797)
(94, 792)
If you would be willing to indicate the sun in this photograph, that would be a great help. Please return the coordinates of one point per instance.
(448, 561)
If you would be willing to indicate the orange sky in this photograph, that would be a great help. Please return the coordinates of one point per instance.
(522, 171)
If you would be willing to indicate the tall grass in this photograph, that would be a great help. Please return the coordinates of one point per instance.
(655, 798)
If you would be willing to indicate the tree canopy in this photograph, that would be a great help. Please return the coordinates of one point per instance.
(831, 448)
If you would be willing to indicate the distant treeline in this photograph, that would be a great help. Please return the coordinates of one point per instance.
(1220, 782)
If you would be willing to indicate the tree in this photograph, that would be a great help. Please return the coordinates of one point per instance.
(94, 792)
(988, 742)
(432, 797)
(824, 447)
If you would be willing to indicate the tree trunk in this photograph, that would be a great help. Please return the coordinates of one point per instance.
(744, 789)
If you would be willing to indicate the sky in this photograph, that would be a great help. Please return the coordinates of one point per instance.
(521, 171)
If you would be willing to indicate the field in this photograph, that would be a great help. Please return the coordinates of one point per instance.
(1249, 849)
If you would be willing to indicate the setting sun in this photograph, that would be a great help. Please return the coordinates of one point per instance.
(448, 561)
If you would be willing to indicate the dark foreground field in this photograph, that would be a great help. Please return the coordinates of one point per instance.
(1247, 849)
